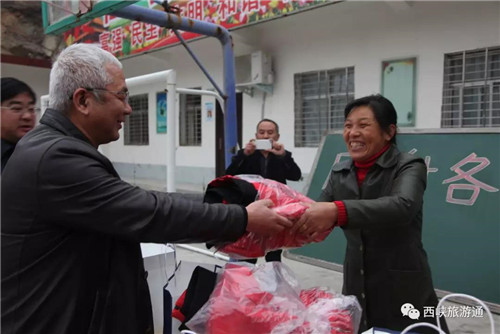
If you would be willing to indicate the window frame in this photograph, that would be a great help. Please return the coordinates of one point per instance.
(194, 139)
(140, 115)
(455, 83)
(327, 91)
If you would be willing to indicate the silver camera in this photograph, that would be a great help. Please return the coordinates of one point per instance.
(263, 144)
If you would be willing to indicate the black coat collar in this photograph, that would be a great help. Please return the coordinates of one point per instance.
(57, 120)
(386, 160)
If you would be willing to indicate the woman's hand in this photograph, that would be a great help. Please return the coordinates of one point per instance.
(318, 217)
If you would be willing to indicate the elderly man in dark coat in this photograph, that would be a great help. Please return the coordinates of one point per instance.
(71, 228)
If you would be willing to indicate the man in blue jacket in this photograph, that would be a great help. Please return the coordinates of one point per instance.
(71, 228)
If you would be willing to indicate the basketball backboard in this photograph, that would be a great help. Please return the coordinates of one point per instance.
(61, 15)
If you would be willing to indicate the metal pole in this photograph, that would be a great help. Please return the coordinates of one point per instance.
(198, 62)
(168, 77)
(167, 20)
(205, 252)
(202, 92)
(171, 130)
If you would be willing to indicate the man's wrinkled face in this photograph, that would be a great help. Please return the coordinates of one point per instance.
(18, 117)
(109, 113)
(267, 130)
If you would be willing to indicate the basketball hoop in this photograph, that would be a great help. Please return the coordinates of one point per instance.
(61, 15)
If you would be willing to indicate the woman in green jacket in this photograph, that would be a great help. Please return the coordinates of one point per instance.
(376, 197)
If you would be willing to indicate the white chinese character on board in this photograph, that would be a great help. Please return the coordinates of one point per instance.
(427, 160)
(475, 185)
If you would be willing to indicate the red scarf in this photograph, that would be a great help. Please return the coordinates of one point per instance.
(362, 168)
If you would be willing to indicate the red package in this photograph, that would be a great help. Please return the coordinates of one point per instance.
(287, 202)
(267, 299)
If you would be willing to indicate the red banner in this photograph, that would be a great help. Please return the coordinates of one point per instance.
(124, 37)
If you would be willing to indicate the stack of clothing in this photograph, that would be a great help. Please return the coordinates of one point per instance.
(268, 299)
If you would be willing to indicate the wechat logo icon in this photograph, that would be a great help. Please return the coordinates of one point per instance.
(409, 311)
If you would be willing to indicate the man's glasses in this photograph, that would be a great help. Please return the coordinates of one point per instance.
(121, 94)
(21, 110)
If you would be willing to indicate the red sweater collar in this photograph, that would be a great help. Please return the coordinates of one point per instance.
(370, 162)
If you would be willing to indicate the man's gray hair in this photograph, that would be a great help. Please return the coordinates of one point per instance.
(79, 65)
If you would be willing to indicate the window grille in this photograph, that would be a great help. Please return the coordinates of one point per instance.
(190, 120)
(136, 130)
(471, 89)
(320, 99)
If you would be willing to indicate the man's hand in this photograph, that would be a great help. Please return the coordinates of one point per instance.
(277, 149)
(318, 218)
(264, 221)
(250, 147)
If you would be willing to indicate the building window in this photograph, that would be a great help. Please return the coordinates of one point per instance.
(320, 99)
(136, 124)
(471, 89)
(190, 120)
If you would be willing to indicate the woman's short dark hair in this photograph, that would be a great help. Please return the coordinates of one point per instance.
(12, 87)
(382, 108)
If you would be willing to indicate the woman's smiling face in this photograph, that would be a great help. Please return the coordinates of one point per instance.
(363, 135)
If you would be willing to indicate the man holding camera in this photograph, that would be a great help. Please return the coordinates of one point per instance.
(267, 159)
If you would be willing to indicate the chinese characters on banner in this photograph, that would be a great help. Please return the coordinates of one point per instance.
(124, 37)
(468, 182)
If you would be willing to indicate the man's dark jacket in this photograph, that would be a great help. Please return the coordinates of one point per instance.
(71, 258)
(385, 265)
(274, 167)
(7, 150)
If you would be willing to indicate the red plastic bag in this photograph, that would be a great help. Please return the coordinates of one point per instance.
(267, 299)
(286, 202)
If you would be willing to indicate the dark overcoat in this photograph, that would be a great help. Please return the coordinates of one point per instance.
(71, 233)
(385, 265)
(273, 167)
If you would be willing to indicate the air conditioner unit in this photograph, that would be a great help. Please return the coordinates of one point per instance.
(252, 69)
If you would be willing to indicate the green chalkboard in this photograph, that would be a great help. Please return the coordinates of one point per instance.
(461, 228)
